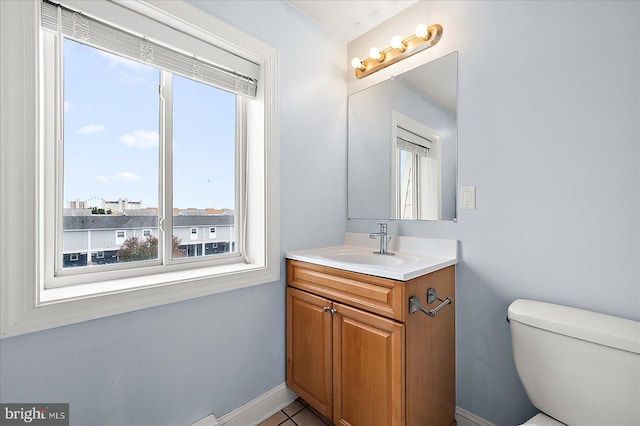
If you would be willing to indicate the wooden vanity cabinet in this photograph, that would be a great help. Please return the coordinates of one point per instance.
(357, 356)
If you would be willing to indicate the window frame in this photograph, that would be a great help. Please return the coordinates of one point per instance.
(57, 275)
(25, 304)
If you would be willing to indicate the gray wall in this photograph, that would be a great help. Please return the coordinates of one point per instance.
(175, 364)
(549, 134)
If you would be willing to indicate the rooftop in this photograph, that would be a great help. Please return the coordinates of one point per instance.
(144, 218)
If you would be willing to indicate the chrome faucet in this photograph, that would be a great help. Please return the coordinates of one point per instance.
(384, 239)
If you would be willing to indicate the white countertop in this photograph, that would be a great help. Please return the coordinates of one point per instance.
(412, 257)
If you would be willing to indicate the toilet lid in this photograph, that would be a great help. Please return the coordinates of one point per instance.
(542, 420)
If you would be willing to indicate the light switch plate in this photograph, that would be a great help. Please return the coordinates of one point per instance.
(468, 197)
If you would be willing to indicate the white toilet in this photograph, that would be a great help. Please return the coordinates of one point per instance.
(579, 368)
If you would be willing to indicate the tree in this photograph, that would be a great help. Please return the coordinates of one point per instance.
(96, 210)
(175, 247)
(136, 249)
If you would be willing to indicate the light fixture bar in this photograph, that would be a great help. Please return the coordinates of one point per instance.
(412, 45)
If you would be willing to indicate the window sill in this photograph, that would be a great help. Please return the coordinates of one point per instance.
(219, 274)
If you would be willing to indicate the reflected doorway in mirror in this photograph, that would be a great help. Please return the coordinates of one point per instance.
(415, 169)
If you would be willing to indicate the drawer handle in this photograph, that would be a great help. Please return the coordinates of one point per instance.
(432, 296)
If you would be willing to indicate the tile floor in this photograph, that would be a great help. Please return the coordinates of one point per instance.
(297, 413)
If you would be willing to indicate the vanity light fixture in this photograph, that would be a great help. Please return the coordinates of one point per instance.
(424, 38)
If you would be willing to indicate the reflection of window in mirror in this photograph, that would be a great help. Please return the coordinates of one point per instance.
(416, 188)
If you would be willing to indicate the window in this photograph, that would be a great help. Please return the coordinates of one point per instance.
(146, 232)
(212, 233)
(157, 118)
(148, 102)
(74, 257)
(249, 254)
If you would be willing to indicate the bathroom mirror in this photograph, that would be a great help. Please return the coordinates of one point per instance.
(402, 146)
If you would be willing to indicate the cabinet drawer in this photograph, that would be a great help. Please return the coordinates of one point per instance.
(378, 295)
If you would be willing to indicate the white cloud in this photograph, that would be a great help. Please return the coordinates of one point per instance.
(91, 128)
(128, 176)
(141, 138)
(133, 79)
(102, 179)
(119, 61)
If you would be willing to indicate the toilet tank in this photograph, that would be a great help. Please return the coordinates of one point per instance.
(577, 366)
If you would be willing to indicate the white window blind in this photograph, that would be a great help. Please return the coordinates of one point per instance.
(411, 142)
(218, 70)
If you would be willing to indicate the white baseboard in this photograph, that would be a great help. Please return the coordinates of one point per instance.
(210, 420)
(274, 400)
(259, 409)
(465, 418)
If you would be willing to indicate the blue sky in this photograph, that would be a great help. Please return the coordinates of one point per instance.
(111, 133)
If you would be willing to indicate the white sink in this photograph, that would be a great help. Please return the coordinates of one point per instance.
(412, 257)
(369, 258)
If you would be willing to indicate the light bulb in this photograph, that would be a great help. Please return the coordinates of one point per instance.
(357, 63)
(396, 43)
(421, 31)
(374, 53)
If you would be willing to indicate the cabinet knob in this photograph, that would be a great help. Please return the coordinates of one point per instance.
(328, 309)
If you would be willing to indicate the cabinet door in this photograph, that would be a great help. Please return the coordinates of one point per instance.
(309, 349)
(368, 362)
